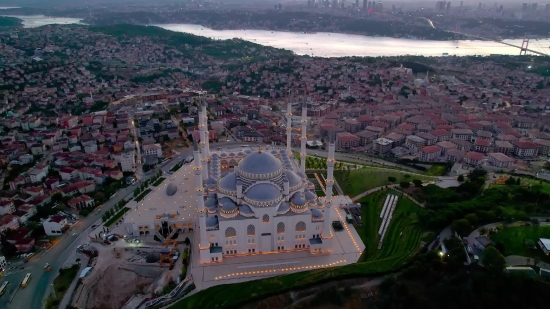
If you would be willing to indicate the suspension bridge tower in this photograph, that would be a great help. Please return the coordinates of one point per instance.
(524, 46)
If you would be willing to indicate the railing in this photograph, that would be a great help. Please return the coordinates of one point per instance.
(147, 303)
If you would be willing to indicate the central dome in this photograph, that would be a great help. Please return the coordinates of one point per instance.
(263, 194)
(260, 163)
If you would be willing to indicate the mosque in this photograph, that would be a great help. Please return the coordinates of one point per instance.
(247, 202)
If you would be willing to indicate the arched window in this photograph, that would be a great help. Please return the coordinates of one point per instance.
(230, 232)
(251, 230)
(265, 218)
(300, 226)
(280, 228)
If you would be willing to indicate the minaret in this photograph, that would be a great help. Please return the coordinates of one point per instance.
(303, 141)
(207, 139)
(289, 126)
(330, 183)
(203, 126)
(204, 246)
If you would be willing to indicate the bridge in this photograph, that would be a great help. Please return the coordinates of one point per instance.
(523, 49)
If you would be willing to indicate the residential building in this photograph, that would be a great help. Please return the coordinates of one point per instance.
(81, 202)
(346, 140)
(6, 207)
(55, 225)
(525, 149)
(382, 146)
(473, 158)
(429, 153)
(8, 221)
(152, 150)
(500, 160)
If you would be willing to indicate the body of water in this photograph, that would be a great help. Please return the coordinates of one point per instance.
(324, 44)
(32, 21)
(8, 7)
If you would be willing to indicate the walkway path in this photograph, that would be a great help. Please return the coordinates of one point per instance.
(69, 294)
(517, 260)
(394, 186)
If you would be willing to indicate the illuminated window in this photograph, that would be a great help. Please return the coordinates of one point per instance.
(300, 226)
(230, 232)
(251, 230)
(280, 228)
(265, 218)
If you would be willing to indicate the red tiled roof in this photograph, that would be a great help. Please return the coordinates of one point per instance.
(476, 156)
(430, 149)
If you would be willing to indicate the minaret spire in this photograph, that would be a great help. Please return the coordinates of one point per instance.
(330, 183)
(204, 246)
(289, 124)
(203, 126)
(303, 140)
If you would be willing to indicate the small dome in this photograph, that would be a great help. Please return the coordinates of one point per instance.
(248, 151)
(229, 206)
(283, 208)
(245, 210)
(298, 199)
(171, 189)
(231, 154)
(215, 156)
(260, 163)
(240, 154)
(263, 192)
(210, 181)
(293, 179)
(212, 188)
(210, 202)
(320, 203)
(310, 185)
(310, 196)
(223, 155)
(282, 151)
(229, 182)
(212, 222)
(274, 152)
(317, 214)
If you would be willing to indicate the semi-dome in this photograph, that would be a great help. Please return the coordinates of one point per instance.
(246, 211)
(171, 189)
(316, 214)
(210, 181)
(229, 182)
(283, 208)
(259, 163)
(310, 196)
(212, 222)
(298, 199)
(263, 194)
(293, 179)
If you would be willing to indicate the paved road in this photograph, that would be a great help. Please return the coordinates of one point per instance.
(34, 293)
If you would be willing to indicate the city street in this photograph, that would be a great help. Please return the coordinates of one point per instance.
(32, 295)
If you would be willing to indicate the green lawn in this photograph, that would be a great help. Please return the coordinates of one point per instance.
(545, 186)
(61, 285)
(366, 178)
(117, 217)
(437, 170)
(142, 195)
(403, 237)
(514, 239)
(159, 181)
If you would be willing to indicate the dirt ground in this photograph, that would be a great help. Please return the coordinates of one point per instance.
(115, 287)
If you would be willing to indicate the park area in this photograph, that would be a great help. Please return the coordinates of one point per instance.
(522, 240)
(398, 248)
(403, 236)
(355, 182)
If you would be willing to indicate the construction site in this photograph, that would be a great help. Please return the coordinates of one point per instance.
(127, 267)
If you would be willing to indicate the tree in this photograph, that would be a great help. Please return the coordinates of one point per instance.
(57, 197)
(8, 249)
(392, 179)
(404, 184)
(472, 219)
(187, 241)
(510, 181)
(518, 181)
(500, 247)
(417, 182)
(462, 227)
(493, 260)
(84, 212)
(460, 178)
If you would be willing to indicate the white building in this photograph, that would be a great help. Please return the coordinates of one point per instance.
(544, 244)
(152, 150)
(264, 204)
(127, 160)
(6, 207)
(3, 263)
(54, 225)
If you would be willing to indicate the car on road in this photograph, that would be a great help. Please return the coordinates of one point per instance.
(470, 250)
(74, 234)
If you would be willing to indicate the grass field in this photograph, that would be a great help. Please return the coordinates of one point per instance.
(396, 251)
(116, 217)
(514, 239)
(142, 195)
(61, 285)
(437, 170)
(403, 237)
(158, 181)
(367, 178)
